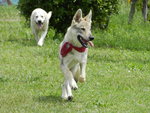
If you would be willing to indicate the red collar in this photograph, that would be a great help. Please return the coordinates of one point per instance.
(67, 47)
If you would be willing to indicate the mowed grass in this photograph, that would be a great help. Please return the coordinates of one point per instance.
(118, 73)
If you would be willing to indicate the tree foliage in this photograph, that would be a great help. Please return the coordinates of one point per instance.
(63, 10)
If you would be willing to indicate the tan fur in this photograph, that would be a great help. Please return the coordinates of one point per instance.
(73, 65)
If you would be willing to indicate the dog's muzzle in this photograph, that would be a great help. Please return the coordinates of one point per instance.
(91, 38)
(39, 23)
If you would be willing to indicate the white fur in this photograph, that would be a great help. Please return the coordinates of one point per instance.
(73, 65)
(40, 30)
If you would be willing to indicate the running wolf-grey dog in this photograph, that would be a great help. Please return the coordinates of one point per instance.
(73, 52)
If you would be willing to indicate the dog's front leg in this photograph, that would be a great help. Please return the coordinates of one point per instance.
(68, 84)
(65, 89)
(41, 40)
(82, 77)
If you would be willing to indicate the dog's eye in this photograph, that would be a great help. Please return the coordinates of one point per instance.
(83, 29)
(36, 16)
(42, 16)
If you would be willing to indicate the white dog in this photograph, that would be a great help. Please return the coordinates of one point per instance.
(73, 52)
(39, 24)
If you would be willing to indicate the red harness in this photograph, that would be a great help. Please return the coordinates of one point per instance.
(67, 47)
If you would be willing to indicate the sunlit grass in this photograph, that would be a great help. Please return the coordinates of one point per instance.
(118, 70)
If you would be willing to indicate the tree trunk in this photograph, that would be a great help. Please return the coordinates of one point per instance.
(144, 10)
(9, 2)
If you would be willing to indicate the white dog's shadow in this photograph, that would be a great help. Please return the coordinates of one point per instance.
(28, 42)
(23, 41)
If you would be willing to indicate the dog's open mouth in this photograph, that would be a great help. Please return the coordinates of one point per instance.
(40, 25)
(84, 42)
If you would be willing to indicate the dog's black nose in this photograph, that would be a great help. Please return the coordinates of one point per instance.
(91, 38)
(39, 21)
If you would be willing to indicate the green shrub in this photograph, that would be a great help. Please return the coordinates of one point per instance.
(63, 10)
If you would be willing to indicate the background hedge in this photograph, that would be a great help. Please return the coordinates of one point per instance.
(63, 11)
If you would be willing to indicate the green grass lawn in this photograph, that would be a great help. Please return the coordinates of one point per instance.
(118, 69)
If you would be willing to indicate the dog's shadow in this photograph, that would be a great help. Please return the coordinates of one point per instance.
(48, 99)
(28, 42)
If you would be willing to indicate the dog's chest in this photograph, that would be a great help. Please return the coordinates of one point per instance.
(76, 57)
(72, 63)
(40, 29)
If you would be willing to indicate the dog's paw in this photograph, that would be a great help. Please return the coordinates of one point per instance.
(70, 98)
(81, 79)
(40, 43)
(74, 88)
(73, 85)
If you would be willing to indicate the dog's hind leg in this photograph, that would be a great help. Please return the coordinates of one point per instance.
(35, 35)
(76, 72)
(82, 77)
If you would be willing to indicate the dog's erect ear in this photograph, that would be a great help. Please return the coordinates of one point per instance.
(49, 14)
(89, 16)
(77, 17)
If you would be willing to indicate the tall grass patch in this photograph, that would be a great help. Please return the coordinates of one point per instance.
(120, 34)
